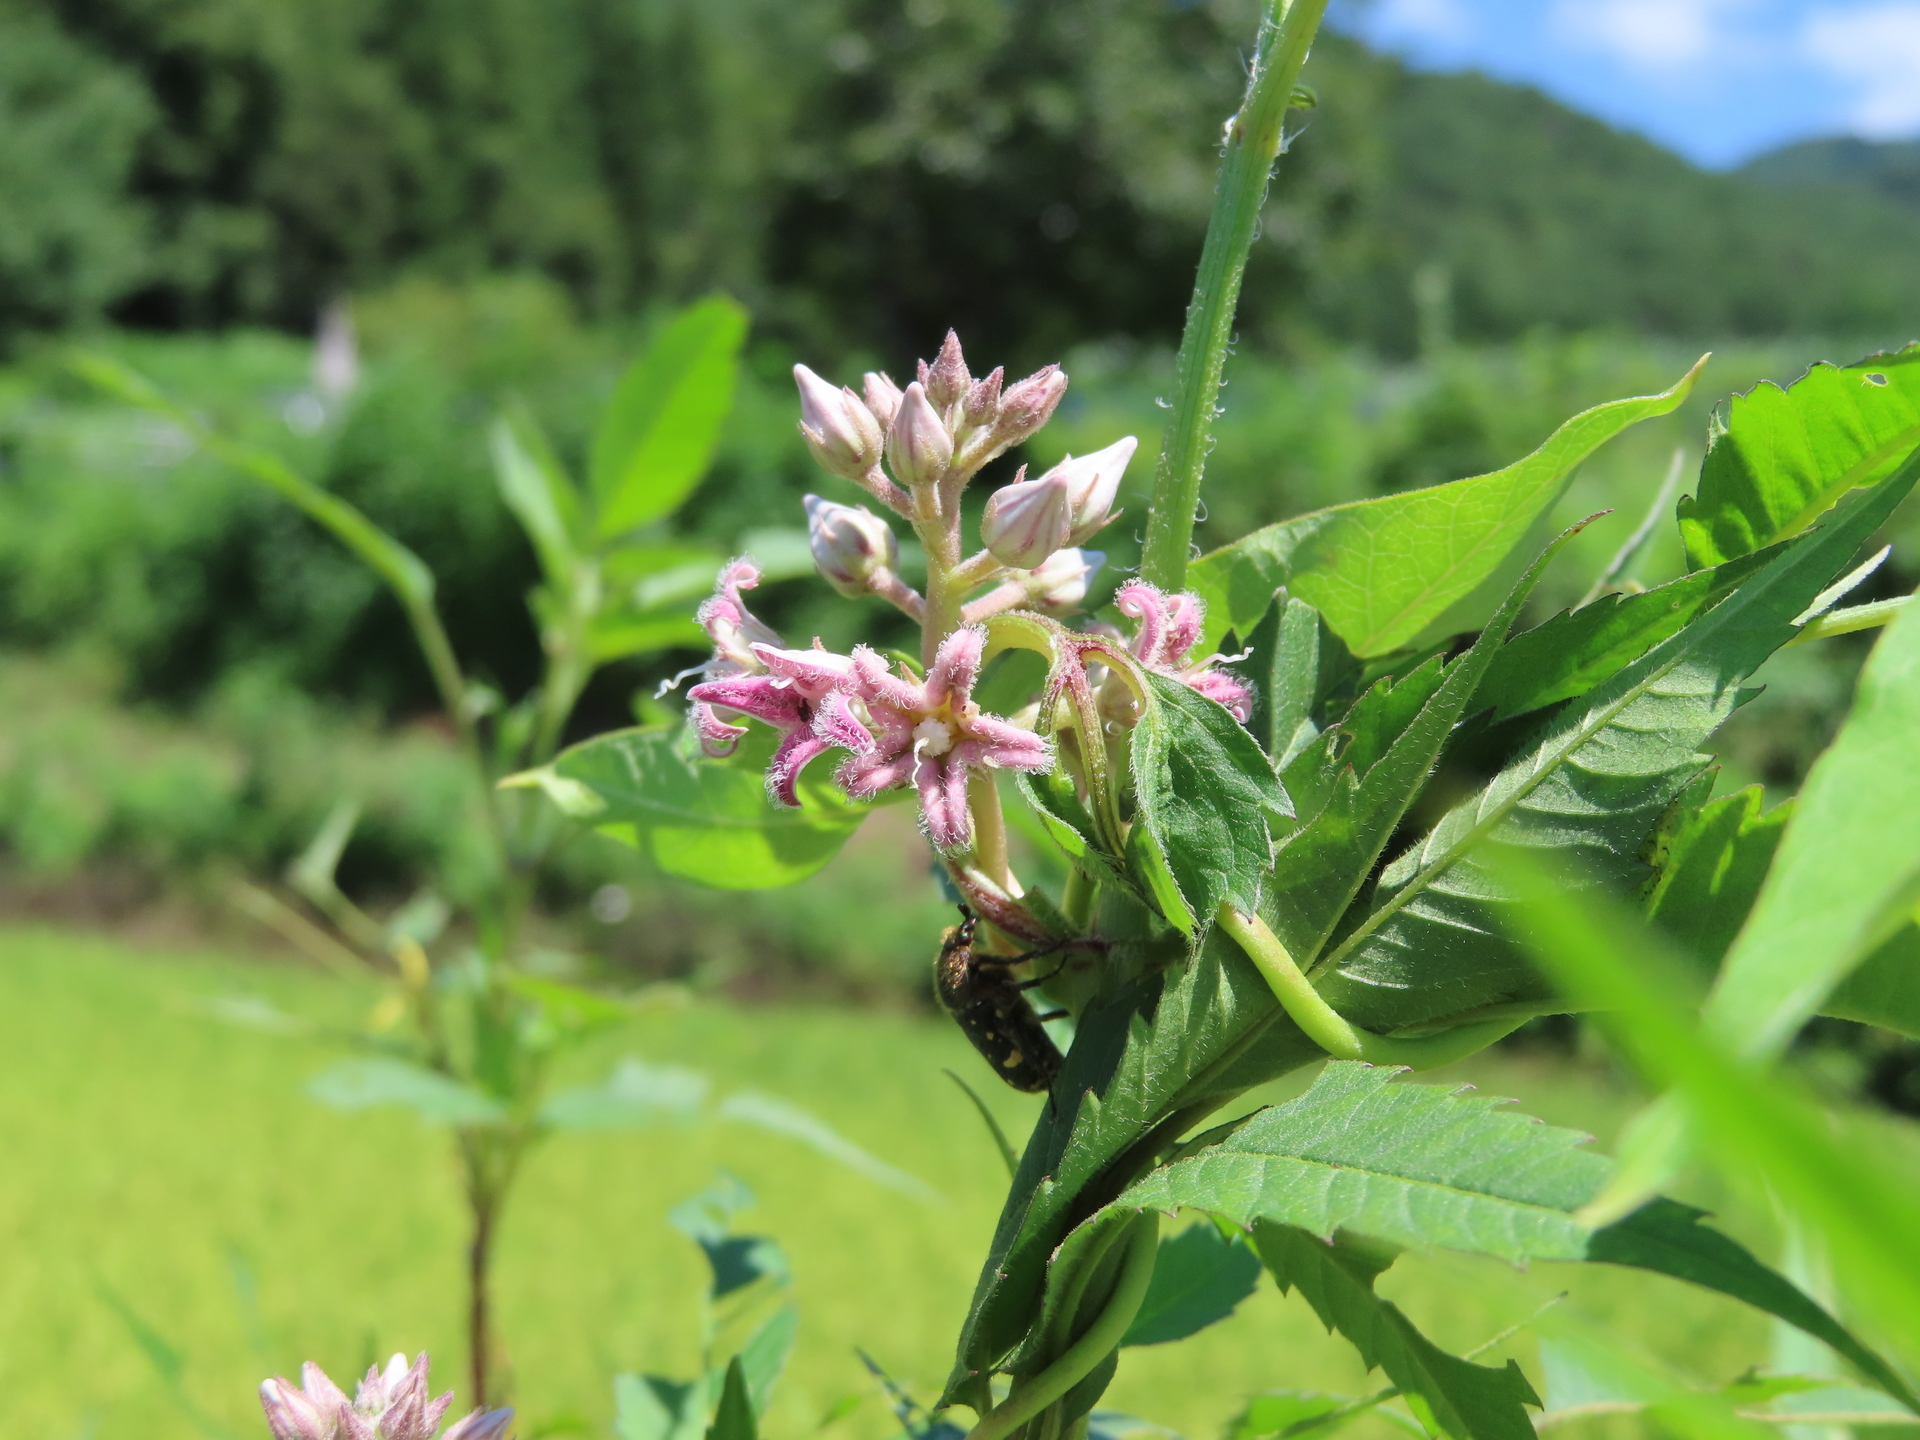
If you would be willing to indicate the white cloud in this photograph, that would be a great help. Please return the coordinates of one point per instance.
(1650, 34)
(1875, 49)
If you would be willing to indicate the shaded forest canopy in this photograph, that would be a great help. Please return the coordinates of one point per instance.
(863, 173)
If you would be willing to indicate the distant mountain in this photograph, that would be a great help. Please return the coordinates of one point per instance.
(1888, 167)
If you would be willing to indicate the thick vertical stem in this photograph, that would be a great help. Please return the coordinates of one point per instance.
(1252, 143)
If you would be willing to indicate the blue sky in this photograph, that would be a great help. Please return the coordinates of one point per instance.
(1717, 80)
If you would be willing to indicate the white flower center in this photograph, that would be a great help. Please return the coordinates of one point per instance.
(933, 737)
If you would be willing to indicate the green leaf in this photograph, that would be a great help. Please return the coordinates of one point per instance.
(704, 820)
(1413, 1165)
(1385, 571)
(663, 422)
(1577, 649)
(1199, 1278)
(734, 1420)
(1213, 1029)
(404, 572)
(536, 489)
(1848, 869)
(652, 1407)
(437, 1098)
(1206, 796)
(1296, 666)
(1885, 990)
(617, 636)
(1464, 1400)
(1756, 1124)
(786, 1119)
(1779, 458)
(1667, 1238)
(635, 1094)
(1308, 1415)
(1589, 792)
(1358, 780)
(765, 1354)
(1709, 862)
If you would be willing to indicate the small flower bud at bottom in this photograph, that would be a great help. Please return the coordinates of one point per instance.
(1027, 521)
(1059, 587)
(918, 445)
(839, 429)
(849, 544)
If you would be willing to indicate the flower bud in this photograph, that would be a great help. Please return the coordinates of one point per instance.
(1092, 481)
(1028, 404)
(947, 379)
(839, 429)
(982, 400)
(883, 397)
(1059, 586)
(480, 1425)
(1027, 521)
(849, 543)
(292, 1415)
(918, 445)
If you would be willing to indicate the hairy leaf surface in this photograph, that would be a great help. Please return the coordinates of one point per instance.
(1207, 796)
(1588, 793)
(1780, 458)
(1384, 571)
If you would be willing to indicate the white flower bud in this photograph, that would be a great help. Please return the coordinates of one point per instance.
(1059, 586)
(839, 429)
(1028, 404)
(294, 1416)
(1092, 482)
(918, 445)
(883, 397)
(850, 543)
(1027, 521)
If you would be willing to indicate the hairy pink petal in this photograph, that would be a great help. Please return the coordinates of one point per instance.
(1145, 603)
(783, 771)
(815, 672)
(956, 665)
(943, 802)
(1186, 618)
(718, 739)
(834, 722)
(762, 696)
(865, 776)
(878, 685)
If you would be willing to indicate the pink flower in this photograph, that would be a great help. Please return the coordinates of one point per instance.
(931, 732)
(735, 632)
(390, 1404)
(1170, 627)
(804, 695)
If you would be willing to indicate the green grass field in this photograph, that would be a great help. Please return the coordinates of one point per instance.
(153, 1151)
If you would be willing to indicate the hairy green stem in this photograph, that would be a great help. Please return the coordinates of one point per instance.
(1330, 1030)
(1253, 140)
(1094, 1344)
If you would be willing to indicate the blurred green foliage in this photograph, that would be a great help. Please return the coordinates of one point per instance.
(860, 173)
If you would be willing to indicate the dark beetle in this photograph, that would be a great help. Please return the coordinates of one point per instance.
(979, 991)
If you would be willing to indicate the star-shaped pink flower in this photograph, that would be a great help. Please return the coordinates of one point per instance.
(1170, 627)
(735, 631)
(802, 693)
(932, 733)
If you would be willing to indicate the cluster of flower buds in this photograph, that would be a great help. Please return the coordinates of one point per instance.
(390, 1404)
(944, 424)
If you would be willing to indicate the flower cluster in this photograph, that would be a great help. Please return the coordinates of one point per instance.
(390, 1404)
(914, 451)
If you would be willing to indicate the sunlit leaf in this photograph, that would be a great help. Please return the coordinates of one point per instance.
(1780, 458)
(1386, 571)
(663, 422)
(362, 1084)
